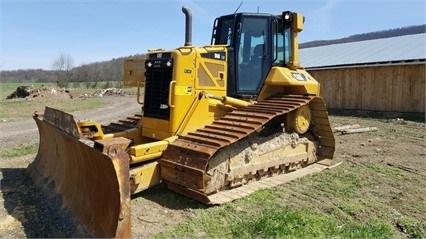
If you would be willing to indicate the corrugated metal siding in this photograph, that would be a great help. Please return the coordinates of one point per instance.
(394, 49)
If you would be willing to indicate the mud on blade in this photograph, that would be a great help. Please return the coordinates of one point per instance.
(93, 183)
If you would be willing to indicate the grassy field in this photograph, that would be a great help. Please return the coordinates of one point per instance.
(19, 151)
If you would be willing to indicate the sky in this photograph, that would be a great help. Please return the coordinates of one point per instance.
(35, 32)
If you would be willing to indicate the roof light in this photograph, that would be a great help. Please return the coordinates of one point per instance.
(287, 17)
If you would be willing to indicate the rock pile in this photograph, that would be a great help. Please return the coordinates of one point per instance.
(109, 92)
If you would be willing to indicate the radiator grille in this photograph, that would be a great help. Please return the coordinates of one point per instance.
(157, 81)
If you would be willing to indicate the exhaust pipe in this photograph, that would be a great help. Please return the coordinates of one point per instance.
(188, 26)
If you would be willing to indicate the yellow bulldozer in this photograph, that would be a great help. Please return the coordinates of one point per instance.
(217, 123)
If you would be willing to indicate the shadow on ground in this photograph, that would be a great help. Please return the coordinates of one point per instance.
(169, 199)
(40, 212)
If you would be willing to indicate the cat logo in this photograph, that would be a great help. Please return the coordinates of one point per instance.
(163, 106)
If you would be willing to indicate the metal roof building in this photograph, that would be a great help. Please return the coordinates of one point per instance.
(401, 49)
(374, 75)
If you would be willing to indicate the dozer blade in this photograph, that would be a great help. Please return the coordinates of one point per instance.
(93, 183)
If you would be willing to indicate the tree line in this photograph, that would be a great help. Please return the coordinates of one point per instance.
(63, 73)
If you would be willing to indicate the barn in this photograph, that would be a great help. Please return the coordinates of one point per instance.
(386, 75)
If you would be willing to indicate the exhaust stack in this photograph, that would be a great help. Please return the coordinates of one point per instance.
(188, 26)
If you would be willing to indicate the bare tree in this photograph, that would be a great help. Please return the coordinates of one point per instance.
(63, 65)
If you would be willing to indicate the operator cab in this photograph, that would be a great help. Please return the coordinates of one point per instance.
(256, 42)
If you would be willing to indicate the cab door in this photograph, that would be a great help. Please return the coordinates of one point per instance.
(253, 53)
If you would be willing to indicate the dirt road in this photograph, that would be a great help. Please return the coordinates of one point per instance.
(27, 212)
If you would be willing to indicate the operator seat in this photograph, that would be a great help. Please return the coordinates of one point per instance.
(254, 68)
(256, 58)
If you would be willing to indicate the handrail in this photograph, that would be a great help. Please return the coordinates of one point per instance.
(170, 93)
(139, 87)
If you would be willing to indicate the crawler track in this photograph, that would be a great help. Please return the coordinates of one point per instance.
(123, 125)
(185, 165)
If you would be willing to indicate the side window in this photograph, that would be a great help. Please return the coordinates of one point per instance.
(281, 44)
(226, 31)
(287, 45)
(278, 42)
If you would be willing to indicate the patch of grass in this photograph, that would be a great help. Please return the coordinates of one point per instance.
(286, 222)
(348, 209)
(265, 197)
(233, 221)
(20, 151)
(387, 170)
(212, 222)
(20, 108)
(307, 223)
(374, 228)
(337, 183)
(412, 227)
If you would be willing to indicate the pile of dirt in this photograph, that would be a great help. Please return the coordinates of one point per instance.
(29, 92)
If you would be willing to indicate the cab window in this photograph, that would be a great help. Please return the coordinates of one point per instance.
(251, 53)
